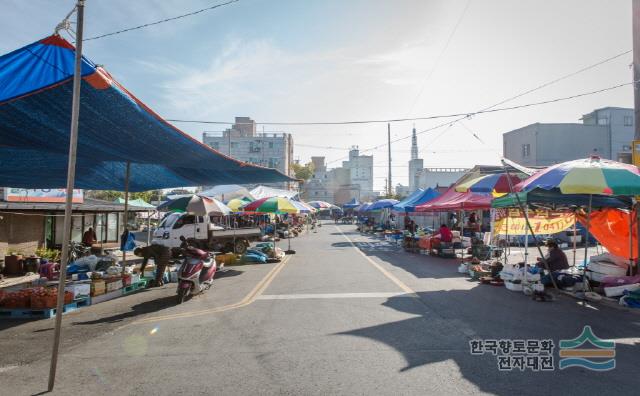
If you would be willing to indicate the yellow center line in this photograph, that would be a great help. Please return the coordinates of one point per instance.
(248, 299)
(384, 272)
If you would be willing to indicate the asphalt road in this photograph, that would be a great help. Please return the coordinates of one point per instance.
(348, 314)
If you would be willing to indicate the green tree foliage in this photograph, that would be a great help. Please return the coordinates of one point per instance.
(304, 172)
(112, 195)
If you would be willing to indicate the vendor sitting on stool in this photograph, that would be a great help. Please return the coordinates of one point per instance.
(445, 234)
(89, 237)
(556, 260)
(160, 254)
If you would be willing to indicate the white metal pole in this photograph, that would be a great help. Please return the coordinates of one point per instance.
(586, 246)
(71, 174)
(126, 214)
(575, 238)
(149, 228)
(526, 245)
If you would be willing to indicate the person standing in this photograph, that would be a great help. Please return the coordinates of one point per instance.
(161, 256)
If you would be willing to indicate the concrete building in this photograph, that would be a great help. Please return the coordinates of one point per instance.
(339, 185)
(361, 172)
(241, 141)
(439, 177)
(320, 186)
(607, 132)
(402, 191)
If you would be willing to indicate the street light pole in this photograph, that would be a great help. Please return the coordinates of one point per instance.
(71, 174)
(635, 4)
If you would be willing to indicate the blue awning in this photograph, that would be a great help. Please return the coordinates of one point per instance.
(417, 198)
(114, 128)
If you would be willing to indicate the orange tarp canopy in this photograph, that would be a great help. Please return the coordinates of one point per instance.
(611, 228)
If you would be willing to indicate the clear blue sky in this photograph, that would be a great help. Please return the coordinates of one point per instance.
(326, 60)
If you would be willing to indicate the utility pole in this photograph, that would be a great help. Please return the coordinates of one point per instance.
(71, 175)
(389, 188)
(635, 4)
(636, 65)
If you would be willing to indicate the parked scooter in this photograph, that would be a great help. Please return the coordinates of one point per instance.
(196, 272)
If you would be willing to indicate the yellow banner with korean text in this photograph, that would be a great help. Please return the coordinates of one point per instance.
(513, 222)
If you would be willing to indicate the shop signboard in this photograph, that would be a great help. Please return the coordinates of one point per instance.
(635, 152)
(52, 195)
(513, 222)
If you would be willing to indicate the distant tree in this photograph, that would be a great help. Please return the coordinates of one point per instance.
(112, 195)
(105, 195)
(303, 172)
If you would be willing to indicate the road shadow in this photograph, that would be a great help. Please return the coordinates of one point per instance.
(443, 323)
(9, 323)
(228, 273)
(142, 308)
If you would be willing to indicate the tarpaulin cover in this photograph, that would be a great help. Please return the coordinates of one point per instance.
(419, 197)
(452, 200)
(611, 228)
(114, 128)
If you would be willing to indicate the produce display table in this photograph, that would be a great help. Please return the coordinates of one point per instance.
(18, 280)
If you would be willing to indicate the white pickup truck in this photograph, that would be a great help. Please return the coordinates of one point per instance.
(203, 233)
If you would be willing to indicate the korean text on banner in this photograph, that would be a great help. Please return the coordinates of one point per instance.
(542, 222)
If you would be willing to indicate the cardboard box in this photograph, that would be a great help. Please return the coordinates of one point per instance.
(115, 285)
(98, 287)
(79, 290)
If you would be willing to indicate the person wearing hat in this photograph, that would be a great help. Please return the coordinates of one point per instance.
(556, 259)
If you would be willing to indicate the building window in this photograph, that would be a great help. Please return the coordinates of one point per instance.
(215, 145)
(234, 144)
(526, 150)
(628, 121)
(270, 145)
(603, 121)
(273, 162)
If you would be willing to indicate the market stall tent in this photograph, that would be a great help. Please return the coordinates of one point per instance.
(410, 203)
(452, 200)
(115, 129)
(353, 203)
(264, 192)
(226, 192)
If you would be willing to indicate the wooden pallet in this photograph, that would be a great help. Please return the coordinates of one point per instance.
(26, 313)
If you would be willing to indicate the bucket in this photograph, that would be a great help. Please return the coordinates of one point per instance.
(13, 265)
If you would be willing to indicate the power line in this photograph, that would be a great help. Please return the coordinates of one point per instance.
(464, 116)
(163, 20)
(488, 110)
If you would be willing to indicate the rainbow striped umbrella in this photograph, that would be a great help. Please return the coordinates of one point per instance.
(587, 176)
(277, 205)
(236, 204)
(497, 183)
